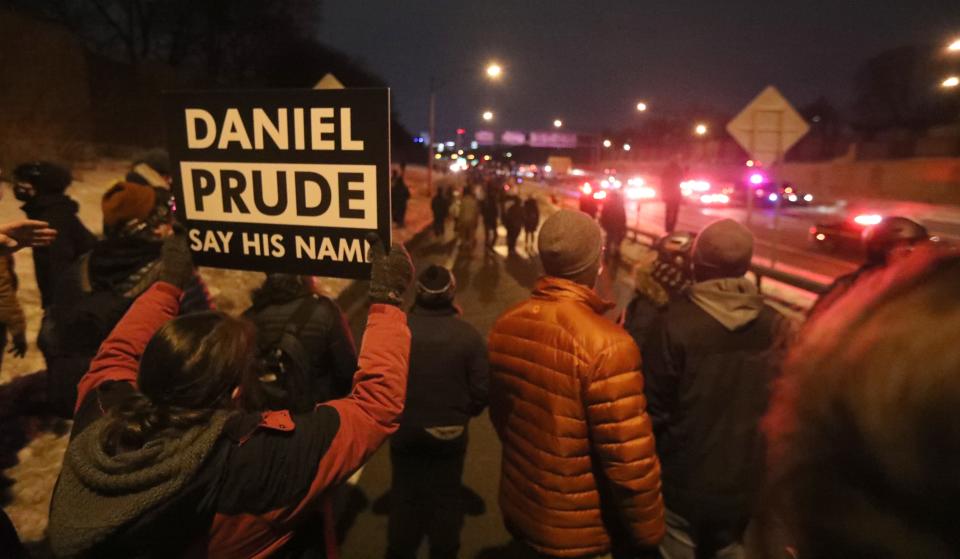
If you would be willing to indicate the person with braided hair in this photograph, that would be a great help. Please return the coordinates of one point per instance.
(171, 456)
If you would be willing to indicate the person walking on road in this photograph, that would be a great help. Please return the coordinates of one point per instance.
(513, 223)
(579, 475)
(588, 205)
(399, 196)
(613, 219)
(448, 386)
(440, 205)
(490, 208)
(41, 186)
(467, 219)
(304, 343)
(710, 362)
(92, 295)
(531, 221)
(673, 175)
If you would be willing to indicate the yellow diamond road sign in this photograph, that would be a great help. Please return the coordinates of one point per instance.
(768, 127)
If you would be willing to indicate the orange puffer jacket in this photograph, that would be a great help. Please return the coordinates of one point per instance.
(567, 402)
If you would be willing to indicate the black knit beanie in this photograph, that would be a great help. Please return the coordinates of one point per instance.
(436, 287)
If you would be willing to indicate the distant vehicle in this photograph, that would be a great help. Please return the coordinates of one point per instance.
(559, 165)
(702, 192)
(844, 235)
(767, 195)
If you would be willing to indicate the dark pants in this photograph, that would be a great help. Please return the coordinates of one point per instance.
(490, 234)
(439, 225)
(425, 497)
(399, 213)
(512, 236)
(671, 212)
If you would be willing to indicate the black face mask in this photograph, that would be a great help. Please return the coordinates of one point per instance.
(23, 192)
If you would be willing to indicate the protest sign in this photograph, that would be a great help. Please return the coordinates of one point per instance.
(282, 180)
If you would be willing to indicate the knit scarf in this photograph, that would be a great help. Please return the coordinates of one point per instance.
(99, 492)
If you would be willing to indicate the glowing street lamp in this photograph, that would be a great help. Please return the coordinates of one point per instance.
(557, 123)
(487, 115)
(494, 71)
(954, 46)
(700, 129)
(626, 147)
(642, 107)
(951, 82)
(607, 143)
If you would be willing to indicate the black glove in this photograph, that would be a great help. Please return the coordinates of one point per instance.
(391, 274)
(19, 348)
(176, 264)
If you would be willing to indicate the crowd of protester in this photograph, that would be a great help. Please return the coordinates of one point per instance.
(704, 423)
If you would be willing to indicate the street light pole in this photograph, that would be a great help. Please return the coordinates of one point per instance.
(432, 126)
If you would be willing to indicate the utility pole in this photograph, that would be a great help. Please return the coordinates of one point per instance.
(431, 112)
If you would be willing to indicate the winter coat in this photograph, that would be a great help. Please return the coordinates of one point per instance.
(325, 335)
(670, 182)
(449, 377)
(90, 298)
(399, 193)
(440, 205)
(11, 313)
(531, 215)
(840, 287)
(613, 216)
(513, 218)
(709, 361)
(650, 299)
(245, 485)
(469, 213)
(579, 471)
(490, 208)
(588, 205)
(73, 239)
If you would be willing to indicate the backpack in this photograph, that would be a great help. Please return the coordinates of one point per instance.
(285, 363)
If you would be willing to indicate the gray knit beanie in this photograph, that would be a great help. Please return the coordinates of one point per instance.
(569, 243)
(725, 246)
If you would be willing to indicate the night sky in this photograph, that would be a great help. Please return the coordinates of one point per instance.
(589, 62)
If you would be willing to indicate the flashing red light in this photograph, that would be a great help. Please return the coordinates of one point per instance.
(461, 131)
(867, 219)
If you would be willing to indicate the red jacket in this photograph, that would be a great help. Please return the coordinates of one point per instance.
(276, 468)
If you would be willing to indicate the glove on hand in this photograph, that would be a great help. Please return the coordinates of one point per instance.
(175, 260)
(391, 274)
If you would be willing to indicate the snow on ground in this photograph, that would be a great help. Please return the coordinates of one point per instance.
(38, 463)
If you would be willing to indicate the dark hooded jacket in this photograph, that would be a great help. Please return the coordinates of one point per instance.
(90, 298)
(709, 361)
(449, 377)
(73, 239)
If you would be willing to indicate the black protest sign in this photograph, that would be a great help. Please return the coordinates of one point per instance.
(282, 180)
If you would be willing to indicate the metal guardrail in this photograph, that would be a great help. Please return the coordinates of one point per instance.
(759, 271)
